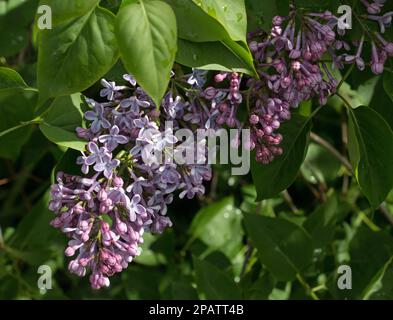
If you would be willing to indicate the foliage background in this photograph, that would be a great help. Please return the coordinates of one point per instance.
(311, 216)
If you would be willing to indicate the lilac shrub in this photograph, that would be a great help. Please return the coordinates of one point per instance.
(124, 187)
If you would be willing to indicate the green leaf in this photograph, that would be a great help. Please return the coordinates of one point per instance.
(76, 53)
(127, 2)
(321, 223)
(209, 56)
(318, 4)
(260, 288)
(283, 170)
(193, 24)
(388, 84)
(369, 252)
(62, 137)
(384, 290)
(147, 37)
(261, 13)
(214, 284)
(142, 282)
(59, 124)
(15, 109)
(320, 165)
(16, 17)
(67, 163)
(383, 103)
(231, 14)
(204, 43)
(63, 11)
(34, 237)
(9, 288)
(10, 79)
(182, 290)
(283, 247)
(149, 257)
(371, 152)
(219, 227)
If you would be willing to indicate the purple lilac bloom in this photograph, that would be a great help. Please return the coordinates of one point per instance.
(113, 139)
(131, 193)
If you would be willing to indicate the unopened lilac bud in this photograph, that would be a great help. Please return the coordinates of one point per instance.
(83, 262)
(374, 8)
(277, 20)
(231, 122)
(389, 49)
(85, 237)
(134, 133)
(87, 196)
(118, 268)
(286, 82)
(220, 120)
(104, 255)
(102, 195)
(209, 93)
(377, 68)
(387, 18)
(249, 145)
(260, 133)
(275, 124)
(78, 209)
(223, 106)
(104, 208)
(295, 54)
(360, 63)
(220, 77)
(268, 130)
(121, 227)
(118, 182)
(277, 151)
(307, 55)
(73, 265)
(69, 252)
(254, 119)
(276, 31)
(105, 227)
(330, 36)
(253, 45)
(154, 114)
(83, 225)
(104, 269)
(82, 133)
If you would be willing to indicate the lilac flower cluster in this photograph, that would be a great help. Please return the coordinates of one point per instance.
(291, 62)
(381, 49)
(124, 189)
(289, 65)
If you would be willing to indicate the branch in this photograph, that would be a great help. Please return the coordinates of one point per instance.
(288, 199)
(386, 213)
(314, 137)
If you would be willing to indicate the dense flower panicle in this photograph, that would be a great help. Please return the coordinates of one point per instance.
(124, 188)
(290, 61)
